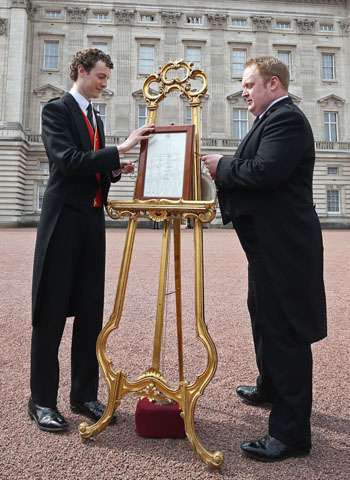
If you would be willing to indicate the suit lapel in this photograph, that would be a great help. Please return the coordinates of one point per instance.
(77, 115)
(258, 123)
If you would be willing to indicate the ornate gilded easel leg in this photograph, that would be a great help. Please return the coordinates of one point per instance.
(177, 267)
(158, 331)
(115, 380)
(214, 459)
(191, 393)
(86, 430)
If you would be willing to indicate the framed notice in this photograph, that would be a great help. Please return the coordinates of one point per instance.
(165, 165)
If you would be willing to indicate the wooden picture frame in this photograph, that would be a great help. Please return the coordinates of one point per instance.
(165, 164)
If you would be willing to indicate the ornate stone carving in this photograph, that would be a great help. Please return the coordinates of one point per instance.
(170, 18)
(331, 101)
(261, 23)
(235, 97)
(344, 26)
(124, 17)
(76, 14)
(27, 4)
(305, 25)
(3, 26)
(217, 19)
(49, 91)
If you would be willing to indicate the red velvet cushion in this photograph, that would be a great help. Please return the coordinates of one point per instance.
(157, 420)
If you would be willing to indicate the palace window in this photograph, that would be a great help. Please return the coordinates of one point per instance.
(283, 25)
(330, 126)
(285, 56)
(194, 55)
(141, 115)
(54, 13)
(239, 22)
(239, 123)
(326, 27)
(51, 50)
(333, 201)
(146, 59)
(332, 170)
(194, 20)
(328, 66)
(238, 59)
(101, 46)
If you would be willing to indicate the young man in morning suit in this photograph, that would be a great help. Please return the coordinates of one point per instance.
(265, 189)
(69, 262)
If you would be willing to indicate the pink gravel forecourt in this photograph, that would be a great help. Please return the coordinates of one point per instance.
(222, 421)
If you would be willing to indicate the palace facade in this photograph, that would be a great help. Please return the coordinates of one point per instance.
(39, 38)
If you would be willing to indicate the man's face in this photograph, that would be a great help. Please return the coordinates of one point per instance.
(256, 92)
(91, 84)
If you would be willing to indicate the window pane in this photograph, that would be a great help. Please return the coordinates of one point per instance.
(238, 59)
(193, 54)
(333, 203)
(240, 123)
(40, 195)
(50, 54)
(285, 57)
(328, 66)
(142, 115)
(146, 59)
(239, 22)
(332, 170)
(187, 115)
(330, 126)
(101, 46)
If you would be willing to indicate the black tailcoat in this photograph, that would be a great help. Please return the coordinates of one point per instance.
(72, 181)
(269, 182)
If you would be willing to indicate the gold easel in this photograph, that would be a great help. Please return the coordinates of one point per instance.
(151, 383)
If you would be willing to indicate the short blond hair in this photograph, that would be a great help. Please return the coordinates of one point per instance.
(269, 67)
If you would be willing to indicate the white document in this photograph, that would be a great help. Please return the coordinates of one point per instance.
(165, 165)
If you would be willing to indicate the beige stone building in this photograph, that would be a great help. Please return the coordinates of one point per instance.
(38, 39)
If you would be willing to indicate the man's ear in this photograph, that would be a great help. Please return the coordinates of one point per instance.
(275, 82)
(81, 70)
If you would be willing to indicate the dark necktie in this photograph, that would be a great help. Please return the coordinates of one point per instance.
(89, 115)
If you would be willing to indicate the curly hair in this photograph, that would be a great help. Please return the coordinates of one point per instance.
(269, 67)
(88, 59)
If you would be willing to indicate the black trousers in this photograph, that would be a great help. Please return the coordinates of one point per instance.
(72, 285)
(284, 362)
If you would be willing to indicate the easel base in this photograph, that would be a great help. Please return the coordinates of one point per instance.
(158, 420)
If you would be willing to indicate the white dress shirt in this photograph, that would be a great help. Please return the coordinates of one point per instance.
(82, 102)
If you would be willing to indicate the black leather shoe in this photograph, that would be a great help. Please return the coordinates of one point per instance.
(47, 419)
(269, 449)
(252, 396)
(93, 410)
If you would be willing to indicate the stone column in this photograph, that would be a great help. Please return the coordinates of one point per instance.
(16, 63)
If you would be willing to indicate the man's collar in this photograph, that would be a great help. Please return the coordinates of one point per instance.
(79, 98)
(272, 103)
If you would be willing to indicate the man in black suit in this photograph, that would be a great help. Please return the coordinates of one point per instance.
(265, 189)
(69, 262)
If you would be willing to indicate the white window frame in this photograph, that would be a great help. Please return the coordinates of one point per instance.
(238, 22)
(330, 211)
(283, 25)
(138, 117)
(53, 13)
(325, 67)
(46, 42)
(101, 45)
(327, 27)
(142, 70)
(285, 51)
(196, 62)
(327, 125)
(232, 63)
(148, 17)
(240, 121)
(101, 16)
